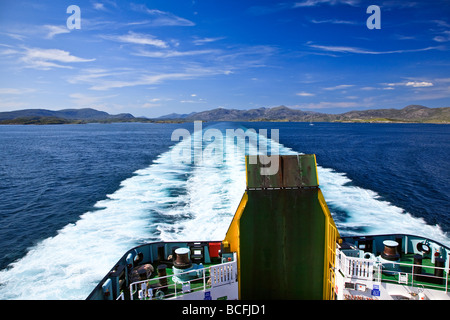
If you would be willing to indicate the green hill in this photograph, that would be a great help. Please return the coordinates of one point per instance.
(43, 116)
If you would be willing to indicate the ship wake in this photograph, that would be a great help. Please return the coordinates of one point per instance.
(179, 201)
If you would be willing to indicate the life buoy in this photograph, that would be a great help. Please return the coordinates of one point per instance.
(368, 255)
(422, 247)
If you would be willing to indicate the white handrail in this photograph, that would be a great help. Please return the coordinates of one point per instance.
(220, 274)
(361, 268)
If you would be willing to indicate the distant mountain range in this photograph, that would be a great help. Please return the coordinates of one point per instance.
(43, 116)
(67, 115)
(412, 113)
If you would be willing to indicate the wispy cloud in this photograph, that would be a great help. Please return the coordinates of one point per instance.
(419, 90)
(173, 53)
(327, 105)
(49, 58)
(344, 49)
(102, 80)
(441, 23)
(313, 3)
(268, 9)
(142, 80)
(99, 6)
(417, 84)
(54, 30)
(199, 42)
(82, 100)
(340, 87)
(414, 84)
(334, 21)
(93, 75)
(247, 57)
(444, 37)
(14, 35)
(305, 94)
(162, 18)
(15, 91)
(137, 38)
(102, 7)
(400, 4)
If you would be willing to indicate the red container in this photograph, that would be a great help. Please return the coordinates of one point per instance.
(214, 248)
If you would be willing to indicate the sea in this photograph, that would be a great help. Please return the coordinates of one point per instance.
(75, 198)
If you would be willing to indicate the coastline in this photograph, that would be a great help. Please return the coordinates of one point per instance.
(72, 122)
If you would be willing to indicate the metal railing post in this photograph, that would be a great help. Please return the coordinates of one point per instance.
(204, 279)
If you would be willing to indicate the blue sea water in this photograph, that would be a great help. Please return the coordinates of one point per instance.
(74, 198)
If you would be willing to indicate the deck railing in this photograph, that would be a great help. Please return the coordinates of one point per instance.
(209, 277)
(404, 273)
(223, 274)
(401, 273)
(353, 267)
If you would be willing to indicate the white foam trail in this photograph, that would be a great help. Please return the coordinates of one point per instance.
(174, 202)
(70, 264)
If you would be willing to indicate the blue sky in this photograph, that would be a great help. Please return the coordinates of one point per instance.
(152, 58)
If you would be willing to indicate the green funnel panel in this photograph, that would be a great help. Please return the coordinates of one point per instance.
(294, 171)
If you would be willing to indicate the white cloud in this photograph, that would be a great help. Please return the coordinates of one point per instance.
(414, 84)
(138, 38)
(14, 35)
(445, 37)
(441, 23)
(313, 3)
(83, 100)
(93, 75)
(281, 6)
(247, 57)
(15, 91)
(142, 80)
(333, 21)
(340, 87)
(325, 105)
(343, 49)
(49, 58)
(99, 6)
(172, 53)
(101, 79)
(150, 105)
(417, 84)
(199, 42)
(54, 30)
(162, 18)
(54, 54)
(187, 101)
(305, 94)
